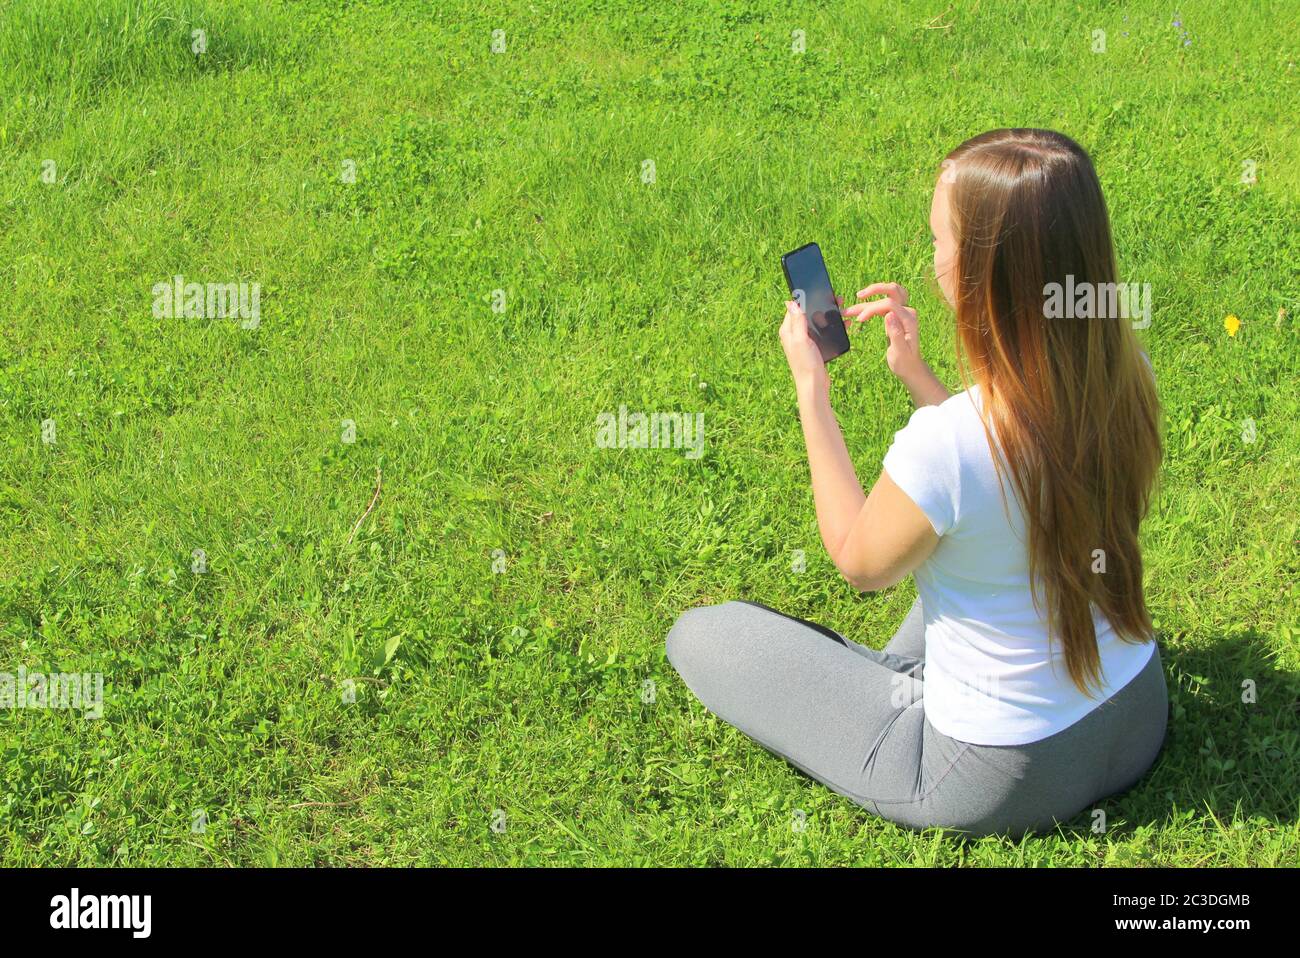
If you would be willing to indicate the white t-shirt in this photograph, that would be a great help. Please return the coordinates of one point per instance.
(988, 678)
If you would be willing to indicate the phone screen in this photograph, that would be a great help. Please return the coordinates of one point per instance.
(810, 285)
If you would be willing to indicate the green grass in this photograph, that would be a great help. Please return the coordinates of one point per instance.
(521, 171)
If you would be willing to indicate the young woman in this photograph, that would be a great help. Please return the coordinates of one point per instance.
(1025, 684)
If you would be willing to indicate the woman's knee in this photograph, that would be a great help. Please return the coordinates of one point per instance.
(692, 640)
(709, 644)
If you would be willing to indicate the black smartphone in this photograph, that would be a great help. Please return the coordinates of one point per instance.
(810, 285)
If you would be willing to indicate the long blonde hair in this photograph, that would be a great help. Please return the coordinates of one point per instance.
(1070, 401)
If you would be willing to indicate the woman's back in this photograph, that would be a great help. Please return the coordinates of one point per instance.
(989, 677)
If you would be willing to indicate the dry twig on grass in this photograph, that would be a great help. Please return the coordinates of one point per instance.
(379, 480)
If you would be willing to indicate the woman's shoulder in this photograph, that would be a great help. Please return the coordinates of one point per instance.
(944, 460)
(958, 427)
(940, 427)
(955, 416)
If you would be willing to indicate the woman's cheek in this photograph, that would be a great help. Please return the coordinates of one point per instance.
(943, 271)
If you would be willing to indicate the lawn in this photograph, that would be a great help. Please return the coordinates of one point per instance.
(468, 245)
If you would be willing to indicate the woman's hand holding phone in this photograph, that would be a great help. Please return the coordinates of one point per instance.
(801, 352)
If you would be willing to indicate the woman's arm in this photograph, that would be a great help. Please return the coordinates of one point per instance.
(877, 540)
(837, 493)
(874, 540)
(924, 387)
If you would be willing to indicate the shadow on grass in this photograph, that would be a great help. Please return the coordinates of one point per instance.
(1225, 755)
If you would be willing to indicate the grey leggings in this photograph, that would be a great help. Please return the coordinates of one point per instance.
(854, 719)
